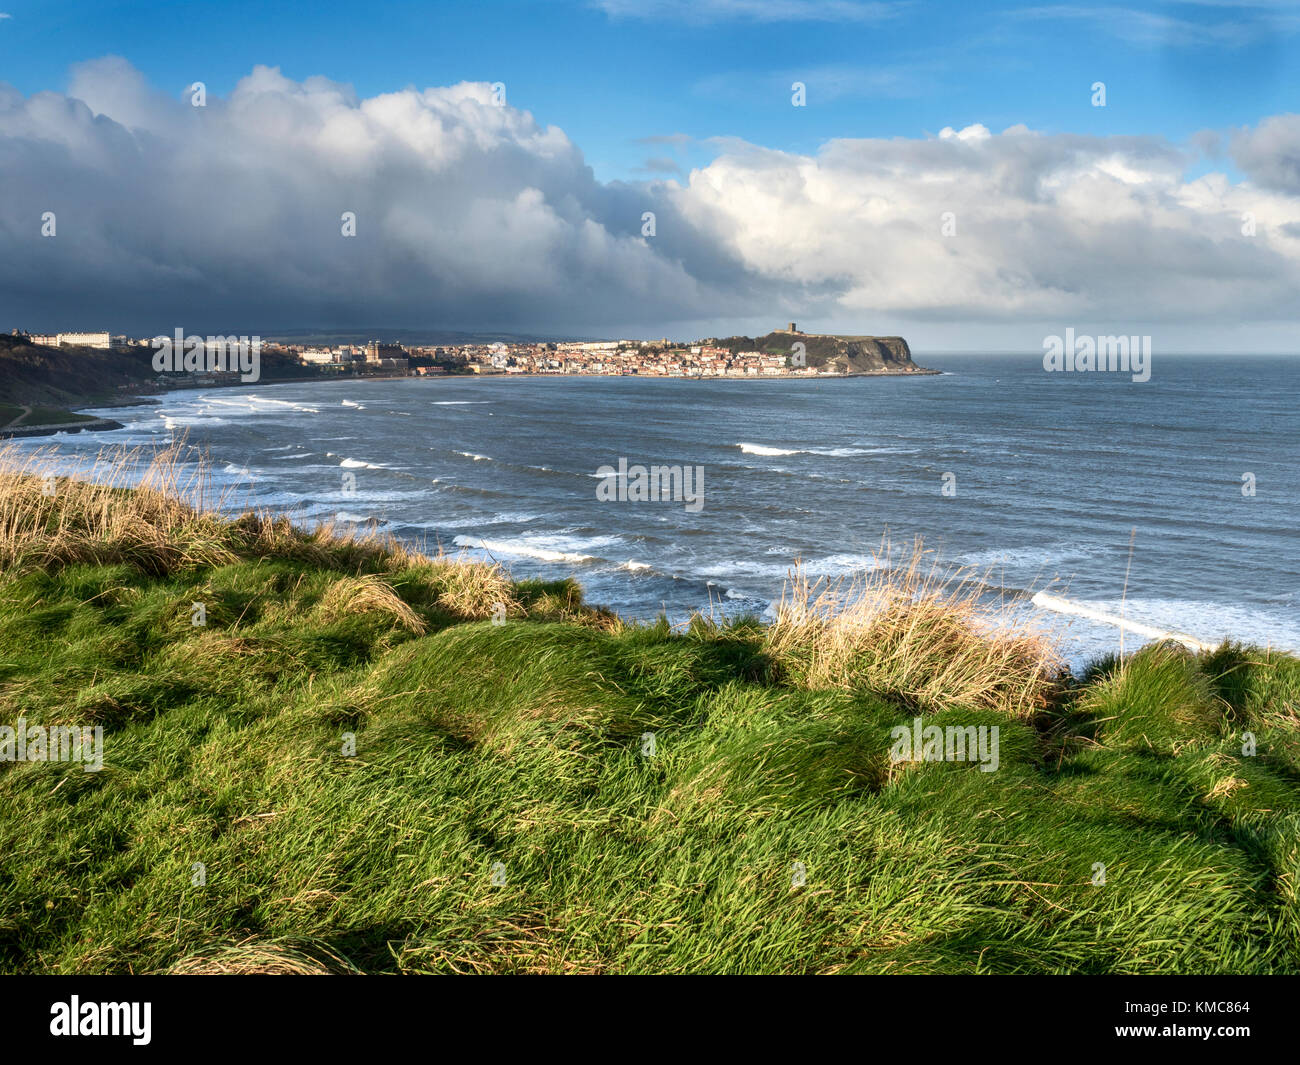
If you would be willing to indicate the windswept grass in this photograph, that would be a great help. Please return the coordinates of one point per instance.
(50, 520)
(1159, 698)
(270, 958)
(369, 760)
(913, 632)
(368, 594)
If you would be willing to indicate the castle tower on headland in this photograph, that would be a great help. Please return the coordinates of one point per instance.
(792, 329)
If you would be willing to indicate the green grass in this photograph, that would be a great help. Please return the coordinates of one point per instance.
(36, 416)
(524, 744)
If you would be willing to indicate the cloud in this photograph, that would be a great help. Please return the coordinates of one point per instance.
(662, 165)
(471, 215)
(677, 140)
(1270, 153)
(467, 213)
(1248, 26)
(1045, 227)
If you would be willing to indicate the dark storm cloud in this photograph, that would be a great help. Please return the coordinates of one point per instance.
(227, 214)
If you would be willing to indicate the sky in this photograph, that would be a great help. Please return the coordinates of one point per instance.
(946, 172)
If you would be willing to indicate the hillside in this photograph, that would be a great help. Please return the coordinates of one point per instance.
(843, 354)
(52, 380)
(72, 376)
(368, 760)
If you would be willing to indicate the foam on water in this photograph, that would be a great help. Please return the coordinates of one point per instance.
(1191, 622)
(770, 451)
(543, 548)
(189, 421)
(1045, 601)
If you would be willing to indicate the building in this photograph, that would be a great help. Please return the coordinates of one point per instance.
(385, 365)
(85, 340)
(318, 355)
(378, 351)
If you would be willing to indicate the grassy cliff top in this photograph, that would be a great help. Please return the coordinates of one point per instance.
(843, 354)
(367, 759)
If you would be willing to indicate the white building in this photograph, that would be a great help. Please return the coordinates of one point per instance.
(318, 355)
(85, 340)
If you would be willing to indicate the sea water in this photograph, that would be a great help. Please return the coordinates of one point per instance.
(1032, 480)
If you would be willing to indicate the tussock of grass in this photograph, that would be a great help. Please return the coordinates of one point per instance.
(469, 590)
(1158, 697)
(368, 594)
(50, 519)
(1259, 686)
(379, 769)
(912, 632)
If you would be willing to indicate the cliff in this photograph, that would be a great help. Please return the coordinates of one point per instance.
(843, 354)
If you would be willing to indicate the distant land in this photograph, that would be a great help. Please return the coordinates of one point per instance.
(835, 354)
(840, 354)
(43, 376)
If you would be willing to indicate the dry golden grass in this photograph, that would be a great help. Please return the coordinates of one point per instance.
(268, 535)
(465, 587)
(156, 510)
(249, 957)
(368, 594)
(914, 632)
(55, 511)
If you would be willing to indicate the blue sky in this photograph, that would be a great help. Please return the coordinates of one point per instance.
(613, 73)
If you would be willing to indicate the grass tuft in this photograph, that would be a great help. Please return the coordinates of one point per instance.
(913, 633)
(368, 594)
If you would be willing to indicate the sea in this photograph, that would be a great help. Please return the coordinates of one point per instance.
(1128, 508)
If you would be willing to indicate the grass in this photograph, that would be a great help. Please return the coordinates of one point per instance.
(14, 416)
(920, 633)
(369, 760)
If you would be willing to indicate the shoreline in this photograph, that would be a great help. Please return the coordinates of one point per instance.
(146, 399)
(94, 425)
(919, 372)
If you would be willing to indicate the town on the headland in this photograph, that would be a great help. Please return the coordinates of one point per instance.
(785, 352)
